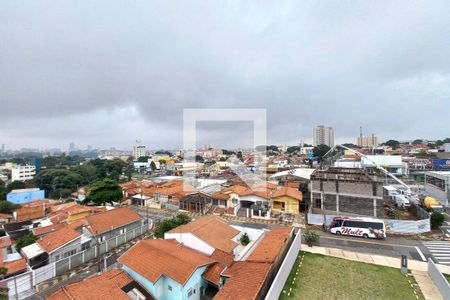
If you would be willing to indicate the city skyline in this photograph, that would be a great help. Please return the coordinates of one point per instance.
(107, 82)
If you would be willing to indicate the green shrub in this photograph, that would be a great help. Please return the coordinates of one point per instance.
(244, 239)
(310, 237)
(170, 224)
(437, 219)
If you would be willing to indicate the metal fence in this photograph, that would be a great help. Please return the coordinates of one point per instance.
(285, 269)
(66, 264)
(439, 280)
(19, 286)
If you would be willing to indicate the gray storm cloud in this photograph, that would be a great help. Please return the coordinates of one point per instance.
(107, 72)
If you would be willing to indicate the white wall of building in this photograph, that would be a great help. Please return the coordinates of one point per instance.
(190, 240)
(23, 173)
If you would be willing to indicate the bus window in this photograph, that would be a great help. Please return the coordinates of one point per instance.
(336, 223)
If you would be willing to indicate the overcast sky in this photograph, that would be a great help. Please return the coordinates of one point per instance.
(105, 73)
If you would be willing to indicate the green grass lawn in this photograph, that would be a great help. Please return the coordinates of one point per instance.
(324, 277)
(447, 276)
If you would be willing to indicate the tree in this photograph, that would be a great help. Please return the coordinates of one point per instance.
(105, 191)
(350, 145)
(393, 143)
(437, 219)
(245, 240)
(25, 241)
(3, 191)
(7, 207)
(15, 185)
(239, 155)
(320, 151)
(143, 159)
(293, 149)
(170, 224)
(199, 159)
(153, 166)
(417, 142)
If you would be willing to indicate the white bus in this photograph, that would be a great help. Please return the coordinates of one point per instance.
(362, 227)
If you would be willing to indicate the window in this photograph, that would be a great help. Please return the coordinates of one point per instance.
(57, 257)
(189, 293)
(318, 203)
(437, 182)
(169, 288)
(85, 246)
(70, 253)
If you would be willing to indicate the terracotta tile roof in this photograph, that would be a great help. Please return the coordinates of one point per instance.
(13, 266)
(270, 246)
(222, 257)
(245, 282)
(222, 261)
(110, 219)
(78, 223)
(5, 242)
(47, 229)
(212, 230)
(212, 273)
(57, 239)
(5, 216)
(288, 191)
(108, 285)
(63, 212)
(154, 258)
(220, 195)
(29, 213)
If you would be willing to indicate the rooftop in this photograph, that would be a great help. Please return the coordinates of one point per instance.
(57, 239)
(288, 191)
(269, 248)
(155, 258)
(245, 282)
(212, 230)
(109, 285)
(111, 219)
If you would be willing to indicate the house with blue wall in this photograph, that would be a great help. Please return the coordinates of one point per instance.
(167, 269)
(23, 196)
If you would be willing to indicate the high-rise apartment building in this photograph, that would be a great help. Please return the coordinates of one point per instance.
(323, 135)
(367, 141)
(139, 151)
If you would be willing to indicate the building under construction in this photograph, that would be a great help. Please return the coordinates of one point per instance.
(347, 191)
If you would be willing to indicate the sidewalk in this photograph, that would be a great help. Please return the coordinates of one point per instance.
(418, 268)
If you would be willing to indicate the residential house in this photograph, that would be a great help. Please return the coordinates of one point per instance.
(14, 264)
(5, 218)
(203, 203)
(113, 284)
(167, 269)
(286, 200)
(112, 223)
(5, 244)
(206, 234)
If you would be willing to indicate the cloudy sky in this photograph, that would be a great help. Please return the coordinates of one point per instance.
(105, 73)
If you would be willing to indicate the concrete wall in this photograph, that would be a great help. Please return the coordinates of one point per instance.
(190, 240)
(119, 230)
(439, 280)
(285, 269)
(59, 253)
(25, 197)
